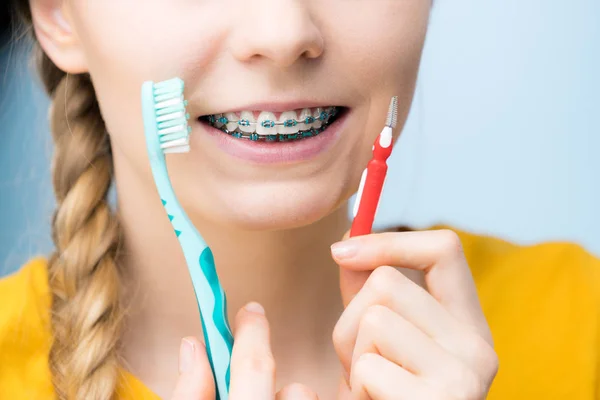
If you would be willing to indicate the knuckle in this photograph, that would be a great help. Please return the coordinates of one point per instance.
(343, 348)
(258, 363)
(373, 319)
(466, 385)
(340, 338)
(475, 345)
(382, 280)
(486, 359)
(297, 391)
(450, 242)
(362, 368)
(493, 365)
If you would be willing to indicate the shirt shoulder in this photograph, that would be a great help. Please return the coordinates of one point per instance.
(25, 334)
(552, 272)
(542, 303)
(25, 339)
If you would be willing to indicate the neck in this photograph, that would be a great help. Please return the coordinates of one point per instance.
(289, 272)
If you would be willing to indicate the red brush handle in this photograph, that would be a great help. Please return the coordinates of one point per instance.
(369, 200)
(372, 186)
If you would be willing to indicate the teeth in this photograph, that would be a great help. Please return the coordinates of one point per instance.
(248, 116)
(317, 124)
(286, 130)
(231, 126)
(217, 123)
(302, 117)
(266, 130)
(248, 124)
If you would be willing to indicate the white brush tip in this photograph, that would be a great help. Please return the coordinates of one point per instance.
(386, 137)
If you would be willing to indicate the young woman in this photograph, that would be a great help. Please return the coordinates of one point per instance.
(395, 315)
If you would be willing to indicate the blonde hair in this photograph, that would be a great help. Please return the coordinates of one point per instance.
(82, 272)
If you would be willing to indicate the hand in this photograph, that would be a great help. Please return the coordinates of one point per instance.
(252, 365)
(397, 340)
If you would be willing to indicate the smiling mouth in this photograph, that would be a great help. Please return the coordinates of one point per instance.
(290, 126)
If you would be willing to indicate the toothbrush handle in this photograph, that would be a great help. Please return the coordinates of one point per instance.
(210, 297)
(217, 327)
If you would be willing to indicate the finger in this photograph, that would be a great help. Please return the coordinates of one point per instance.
(390, 288)
(437, 253)
(388, 334)
(296, 391)
(417, 354)
(374, 377)
(351, 281)
(252, 363)
(195, 375)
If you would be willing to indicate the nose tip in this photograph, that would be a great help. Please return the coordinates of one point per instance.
(287, 49)
(282, 32)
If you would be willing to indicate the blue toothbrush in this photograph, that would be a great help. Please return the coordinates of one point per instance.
(167, 131)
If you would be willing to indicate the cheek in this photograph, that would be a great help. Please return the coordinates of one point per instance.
(382, 42)
(158, 41)
(378, 57)
(126, 41)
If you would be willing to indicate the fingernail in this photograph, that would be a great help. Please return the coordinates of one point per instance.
(186, 355)
(255, 308)
(345, 249)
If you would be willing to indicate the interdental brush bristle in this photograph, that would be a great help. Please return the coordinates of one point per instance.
(392, 116)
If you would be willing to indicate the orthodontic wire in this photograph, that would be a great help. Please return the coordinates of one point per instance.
(278, 137)
(270, 123)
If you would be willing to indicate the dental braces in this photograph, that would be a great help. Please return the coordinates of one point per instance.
(323, 116)
(278, 137)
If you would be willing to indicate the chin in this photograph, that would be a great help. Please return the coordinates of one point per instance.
(263, 209)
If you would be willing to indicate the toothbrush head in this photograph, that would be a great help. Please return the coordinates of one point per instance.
(392, 116)
(165, 115)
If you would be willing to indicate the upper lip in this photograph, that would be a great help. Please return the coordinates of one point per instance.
(274, 107)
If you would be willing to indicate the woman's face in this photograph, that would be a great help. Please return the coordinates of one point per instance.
(259, 55)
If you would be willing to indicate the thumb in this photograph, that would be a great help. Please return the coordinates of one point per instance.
(195, 375)
(350, 281)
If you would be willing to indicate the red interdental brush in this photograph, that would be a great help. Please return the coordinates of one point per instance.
(373, 177)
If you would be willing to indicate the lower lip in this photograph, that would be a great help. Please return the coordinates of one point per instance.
(278, 152)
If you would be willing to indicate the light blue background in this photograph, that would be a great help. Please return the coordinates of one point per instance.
(502, 139)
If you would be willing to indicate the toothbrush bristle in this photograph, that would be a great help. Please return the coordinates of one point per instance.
(171, 116)
(392, 116)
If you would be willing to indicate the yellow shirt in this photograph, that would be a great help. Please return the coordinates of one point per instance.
(542, 303)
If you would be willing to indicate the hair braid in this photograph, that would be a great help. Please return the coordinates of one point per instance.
(82, 272)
